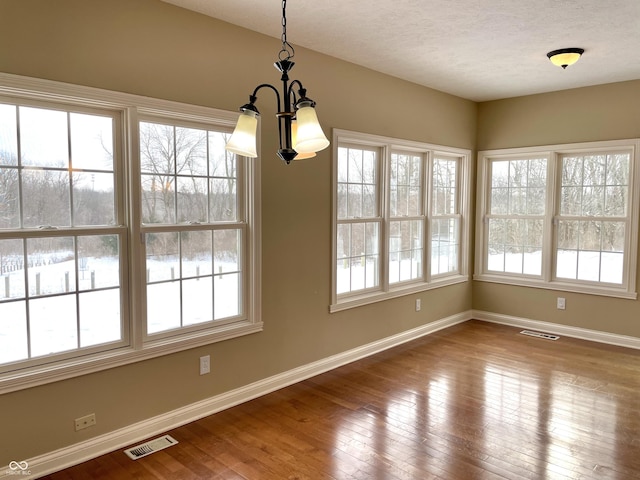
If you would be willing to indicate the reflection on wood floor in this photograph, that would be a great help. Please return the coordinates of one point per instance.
(475, 401)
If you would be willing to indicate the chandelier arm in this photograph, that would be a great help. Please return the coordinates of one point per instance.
(291, 93)
(266, 85)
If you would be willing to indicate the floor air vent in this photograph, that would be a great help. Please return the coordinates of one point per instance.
(150, 447)
(540, 335)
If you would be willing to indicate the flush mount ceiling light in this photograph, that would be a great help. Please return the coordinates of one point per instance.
(301, 135)
(565, 56)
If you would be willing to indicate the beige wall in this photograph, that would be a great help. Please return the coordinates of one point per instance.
(151, 48)
(605, 112)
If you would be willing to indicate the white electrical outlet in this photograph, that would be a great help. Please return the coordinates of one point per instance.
(561, 304)
(418, 305)
(205, 364)
(85, 422)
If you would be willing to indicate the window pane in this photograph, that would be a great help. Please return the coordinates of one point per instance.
(12, 271)
(358, 266)
(192, 199)
(8, 135)
(193, 163)
(226, 289)
(98, 262)
(191, 151)
(44, 140)
(612, 267)
(197, 301)
(45, 198)
(343, 198)
(223, 164)
(591, 251)
(444, 245)
(53, 333)
(444, 191)
(405, 250)
(196, 253)
(93, 199)
(158, 199)
(223, 200)
(357, 187)
(618, 169)
(589, 265)
(406, 185)
(515, 246)
(601, 188)
(227, 251)
(9, 198)
(157, 150)
(99, 317)
(13, 332)
(163, 306)
(51, 265)
(91, 142)
(616, 201)
(163, 257)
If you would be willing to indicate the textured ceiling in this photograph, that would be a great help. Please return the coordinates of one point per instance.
(475, 49)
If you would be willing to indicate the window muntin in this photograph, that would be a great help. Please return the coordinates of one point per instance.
(60, 277)
(382, 219)
(564, 220)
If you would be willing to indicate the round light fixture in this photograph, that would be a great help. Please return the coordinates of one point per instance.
(565, 56)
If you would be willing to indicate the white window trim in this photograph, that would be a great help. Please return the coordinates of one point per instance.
(129, 107)
(547, 280)
(387, 145)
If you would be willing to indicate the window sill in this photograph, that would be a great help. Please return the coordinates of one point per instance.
(354, 301)
(61, 370)
(557, 285)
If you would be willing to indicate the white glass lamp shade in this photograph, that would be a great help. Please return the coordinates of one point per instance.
(310, 136)
(294, 142)
(243, 139)
(565, 56)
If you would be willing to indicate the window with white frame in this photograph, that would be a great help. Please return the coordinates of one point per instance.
(193, 226)
(562, 217)
(390, 196)
(61, 243)
(116, 254)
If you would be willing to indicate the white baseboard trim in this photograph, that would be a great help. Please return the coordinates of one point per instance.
(557, 329)
(83, 451)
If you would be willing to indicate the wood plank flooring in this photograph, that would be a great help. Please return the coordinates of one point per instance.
(475, 401)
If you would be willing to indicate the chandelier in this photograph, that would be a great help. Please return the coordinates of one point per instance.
(301, 135)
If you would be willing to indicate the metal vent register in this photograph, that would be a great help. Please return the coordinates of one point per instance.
(546, 336)
(150, 447)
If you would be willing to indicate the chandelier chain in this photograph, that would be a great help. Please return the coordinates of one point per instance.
(287, 52)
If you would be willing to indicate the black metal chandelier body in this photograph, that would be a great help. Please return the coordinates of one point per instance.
(300, 134)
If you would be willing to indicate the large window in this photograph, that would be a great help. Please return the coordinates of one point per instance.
(400, 221)
(193, 227)
(61, 245)
(561, 217)
(109, 254)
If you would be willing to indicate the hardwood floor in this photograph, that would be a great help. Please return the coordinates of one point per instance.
(475, 401)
